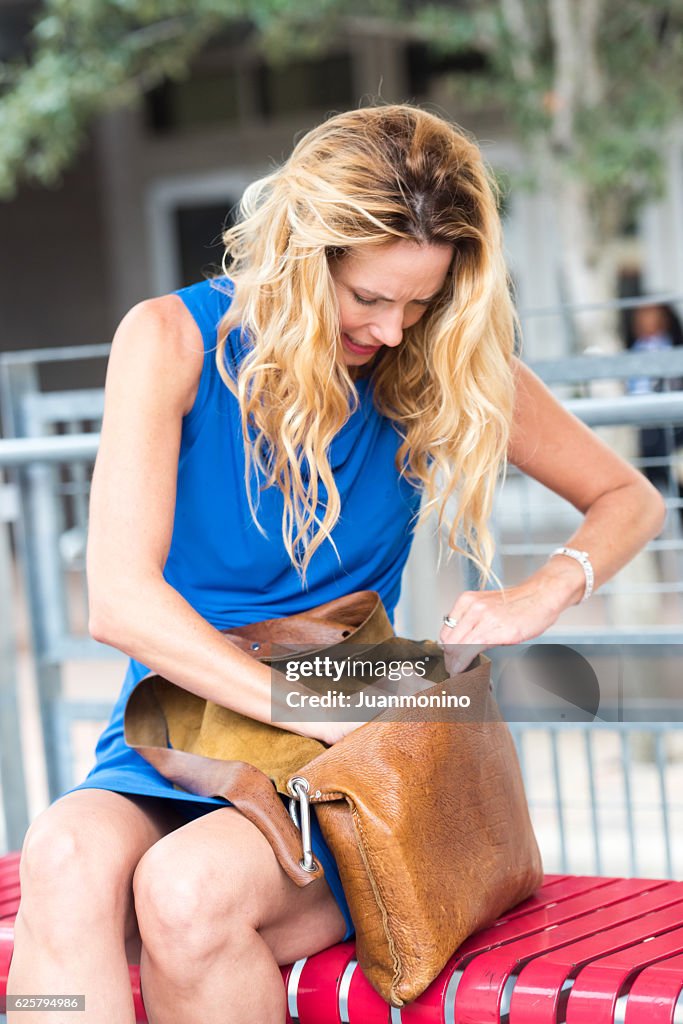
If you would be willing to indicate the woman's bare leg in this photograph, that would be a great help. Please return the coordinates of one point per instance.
(76, 912)
(217, 915)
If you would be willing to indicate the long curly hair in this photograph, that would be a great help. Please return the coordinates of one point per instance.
(370, 176)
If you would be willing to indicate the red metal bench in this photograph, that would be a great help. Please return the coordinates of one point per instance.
(583, 950)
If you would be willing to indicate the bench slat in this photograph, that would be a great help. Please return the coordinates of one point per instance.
(655, 993)
(488, 979)
(558, 912)
(557, 891)
(595, 993)
(537, 992)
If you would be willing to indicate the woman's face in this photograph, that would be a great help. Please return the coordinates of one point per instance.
(384, 289)
(650, 320)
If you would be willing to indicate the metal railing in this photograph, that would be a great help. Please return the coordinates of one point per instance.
(46, 454)
(604, 797)
(50, 647)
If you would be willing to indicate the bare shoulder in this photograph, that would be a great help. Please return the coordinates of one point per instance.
(152, 377)
(158, 344)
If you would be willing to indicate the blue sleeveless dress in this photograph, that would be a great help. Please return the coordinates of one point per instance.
(231, 574)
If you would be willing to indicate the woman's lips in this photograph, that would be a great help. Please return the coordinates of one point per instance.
(360, 350)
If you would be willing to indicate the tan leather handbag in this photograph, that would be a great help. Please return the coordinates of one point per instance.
(426, 817)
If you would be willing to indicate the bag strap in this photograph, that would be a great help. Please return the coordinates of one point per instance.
(358, 618)
(250, 791)
(247, 787)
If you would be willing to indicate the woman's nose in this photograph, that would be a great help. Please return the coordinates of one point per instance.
(389, 329)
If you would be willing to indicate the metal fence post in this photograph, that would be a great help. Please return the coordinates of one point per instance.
(12, 779)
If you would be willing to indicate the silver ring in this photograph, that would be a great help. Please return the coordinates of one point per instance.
(448, 621)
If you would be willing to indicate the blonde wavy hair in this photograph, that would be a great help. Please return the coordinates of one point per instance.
(366, 177)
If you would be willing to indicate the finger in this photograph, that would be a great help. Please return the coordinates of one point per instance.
(462, 656)
(448, 628)
(454, 634)
(451, 631)
(463, 632)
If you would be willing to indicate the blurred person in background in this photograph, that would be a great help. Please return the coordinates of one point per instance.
(657, 328)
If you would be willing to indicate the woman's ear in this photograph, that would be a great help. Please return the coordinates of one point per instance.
(335, 253)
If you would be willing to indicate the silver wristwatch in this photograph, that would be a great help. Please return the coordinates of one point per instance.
(584, 561)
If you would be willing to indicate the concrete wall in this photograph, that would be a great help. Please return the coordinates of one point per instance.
(55, 288)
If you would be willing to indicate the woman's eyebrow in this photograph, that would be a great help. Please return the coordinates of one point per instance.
(384, 298)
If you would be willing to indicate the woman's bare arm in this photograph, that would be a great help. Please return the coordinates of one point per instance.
(152, 379)
(621, 510)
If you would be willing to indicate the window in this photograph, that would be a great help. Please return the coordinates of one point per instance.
(424, 66)
(230, 90)
(198, 230)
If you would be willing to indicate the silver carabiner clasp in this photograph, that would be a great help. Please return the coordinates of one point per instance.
(298, 788)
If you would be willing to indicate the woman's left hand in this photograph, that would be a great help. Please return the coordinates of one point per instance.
(487, 618)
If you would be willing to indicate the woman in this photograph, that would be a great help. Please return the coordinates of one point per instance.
(266, 442)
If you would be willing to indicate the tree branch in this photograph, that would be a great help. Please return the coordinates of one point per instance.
(567, 70)
(590, 13)
(517, 23)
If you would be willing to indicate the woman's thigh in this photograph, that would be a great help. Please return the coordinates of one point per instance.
(199, 886)
(85, 847)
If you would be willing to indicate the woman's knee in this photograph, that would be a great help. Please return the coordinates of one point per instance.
(188, 904)
(60, 857)
(64, 894)
(79, 854)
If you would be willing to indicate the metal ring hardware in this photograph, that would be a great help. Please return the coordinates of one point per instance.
(298, 787)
